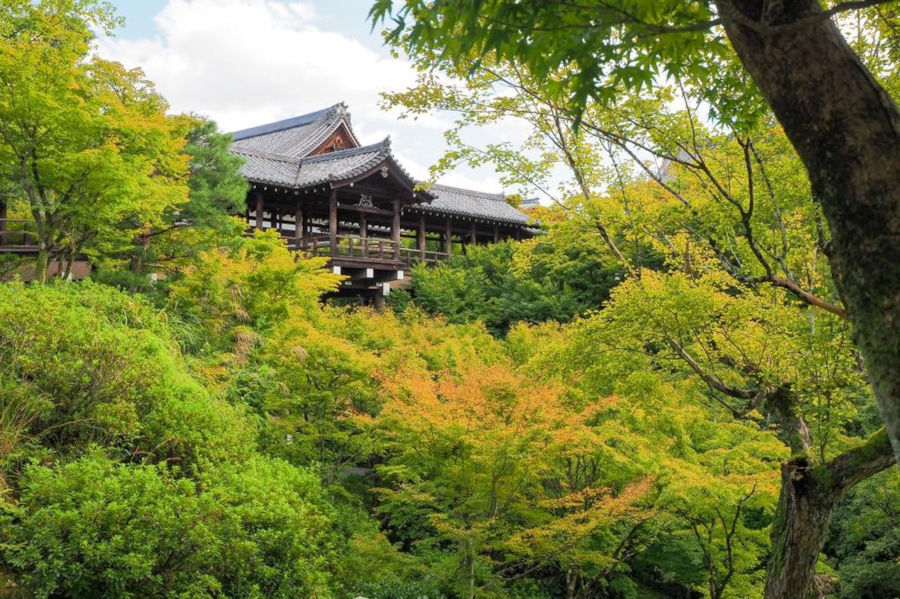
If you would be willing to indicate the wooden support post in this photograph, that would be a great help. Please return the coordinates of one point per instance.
(332, 222)
(496, 234)
(395, 229)
(259, 210)
(420, 238)
(448, 239)
(298, 225)
(364, 234)
(2, 219)
(518, 234)
(473, 237)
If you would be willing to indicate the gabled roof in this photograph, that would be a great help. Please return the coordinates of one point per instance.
(333, 168)
(475, 204)
(295, 137)
(278, 154)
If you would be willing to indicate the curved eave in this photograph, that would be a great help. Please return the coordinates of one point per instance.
(394, 170)
(466, 215)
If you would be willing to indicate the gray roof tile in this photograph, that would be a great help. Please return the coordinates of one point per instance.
(298, 173)
(295, 137)
(476, 204)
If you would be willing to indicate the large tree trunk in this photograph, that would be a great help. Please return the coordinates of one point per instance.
(808, 496)
(847, 131)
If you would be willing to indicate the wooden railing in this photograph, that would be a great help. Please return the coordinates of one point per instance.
(18, 235)
(412, 255)
(354, 246)
(351, 246)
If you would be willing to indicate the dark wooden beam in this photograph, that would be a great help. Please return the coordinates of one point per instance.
(259, 210)
(420, 238)
(332, 222)
(299, 225)
(395, 229)
(365, 210)
(448, 238)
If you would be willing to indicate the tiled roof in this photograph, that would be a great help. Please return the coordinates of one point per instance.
(276, 154)
(476, 204)
(299, 173)
(295, 137)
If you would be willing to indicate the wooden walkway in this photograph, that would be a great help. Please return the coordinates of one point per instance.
(18, 236)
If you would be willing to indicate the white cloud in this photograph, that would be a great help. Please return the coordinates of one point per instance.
(248, 62)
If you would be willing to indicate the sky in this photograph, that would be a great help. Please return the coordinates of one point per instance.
(249, 62)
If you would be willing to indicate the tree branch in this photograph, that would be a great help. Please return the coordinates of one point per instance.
(859, 463)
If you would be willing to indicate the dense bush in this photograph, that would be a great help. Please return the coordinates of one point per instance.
(548, 278)
(97, 528)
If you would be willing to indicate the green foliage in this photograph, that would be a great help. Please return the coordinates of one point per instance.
(581, 52)
(865, 539)
(86, 144)
(216, 190)
(94, 528)
(258, 283)
(110, 374)
(552, 277)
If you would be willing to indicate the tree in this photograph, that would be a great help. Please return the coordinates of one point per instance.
(838, 117)
(217, 190)
(85, 142)
(551, 277)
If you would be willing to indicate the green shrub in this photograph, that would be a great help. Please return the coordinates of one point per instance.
(95, 528)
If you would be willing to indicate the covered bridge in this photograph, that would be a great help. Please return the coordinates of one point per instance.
(330, 196)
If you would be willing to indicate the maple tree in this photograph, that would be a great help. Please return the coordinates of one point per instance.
(85, 143)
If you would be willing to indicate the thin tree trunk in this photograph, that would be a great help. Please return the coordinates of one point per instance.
(807, 500)
(847, 131)
(42, 263)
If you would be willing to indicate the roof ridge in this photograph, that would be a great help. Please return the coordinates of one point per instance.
(291, 122)
(268, 155)
(500, 197)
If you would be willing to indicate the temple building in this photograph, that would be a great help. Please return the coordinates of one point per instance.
(330, 196)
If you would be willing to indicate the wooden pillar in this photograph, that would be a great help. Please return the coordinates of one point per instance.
(395, 229)
(518, 234)
(298, 225)
(332, 222)
(420, 238)
(259, 210)
(448, 239)
(363, 225)
(496, 234)
(2, 219)
(473, 237)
